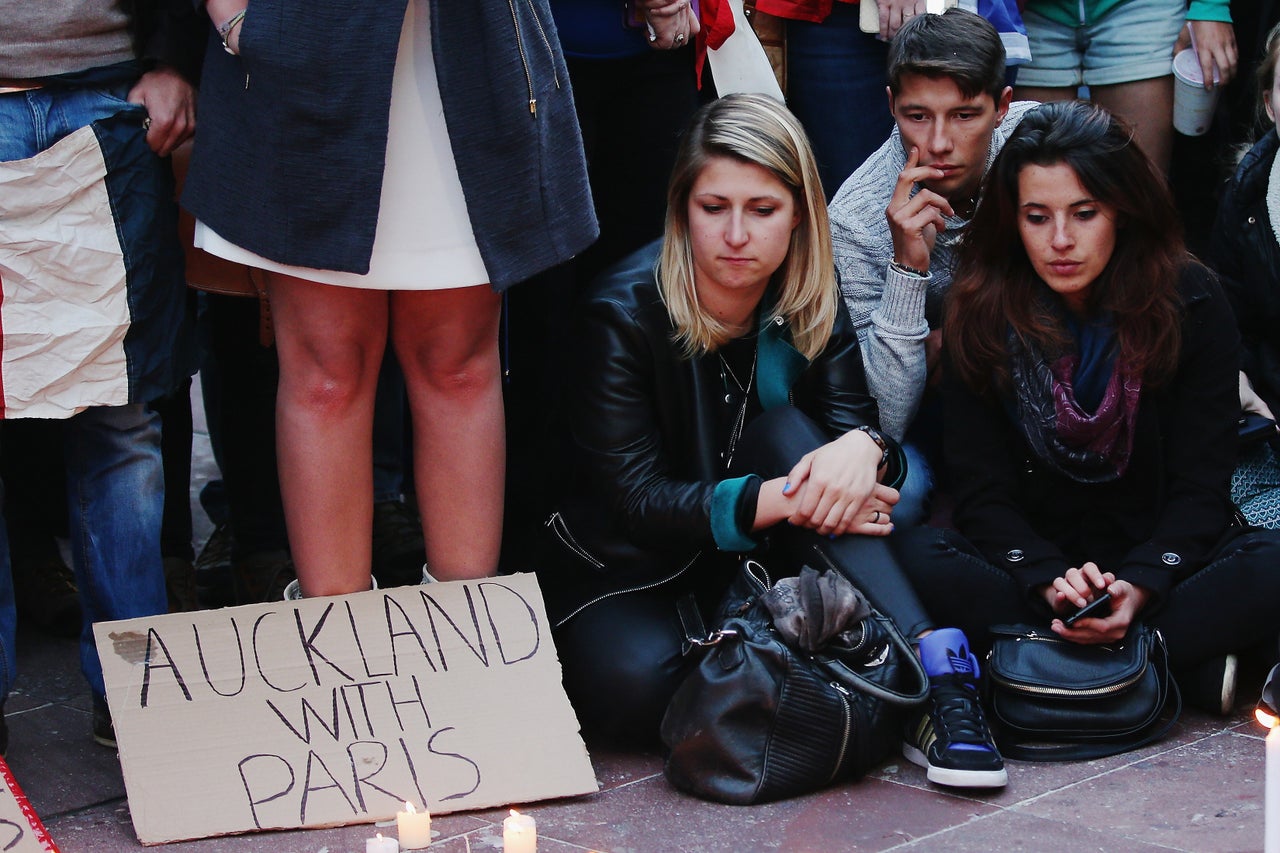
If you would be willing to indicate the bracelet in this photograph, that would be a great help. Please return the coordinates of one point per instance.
(224, 31)
(906, 270)
(875, 436)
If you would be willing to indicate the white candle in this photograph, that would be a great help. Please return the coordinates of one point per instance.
(519, 834)
(413, 827)
(1272, 791)
(379, 844)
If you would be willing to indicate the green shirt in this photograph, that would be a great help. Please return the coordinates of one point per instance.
(1075, 13)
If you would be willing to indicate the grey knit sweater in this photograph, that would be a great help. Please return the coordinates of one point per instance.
(893, 313)
(48, 37)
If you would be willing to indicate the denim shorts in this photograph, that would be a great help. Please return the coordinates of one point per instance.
(1133, 41)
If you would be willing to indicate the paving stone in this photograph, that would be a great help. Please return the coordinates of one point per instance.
(1205, 796)
(57, 763)
(1011, 831)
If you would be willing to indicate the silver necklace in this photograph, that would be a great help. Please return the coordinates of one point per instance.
(736, 432)
(726, 369)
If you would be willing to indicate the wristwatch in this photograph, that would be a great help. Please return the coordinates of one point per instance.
(875, 436)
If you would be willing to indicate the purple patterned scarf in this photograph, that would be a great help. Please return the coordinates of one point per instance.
(1087, 447)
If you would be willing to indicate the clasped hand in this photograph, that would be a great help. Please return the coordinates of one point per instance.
(832, 490)
(1079, 586)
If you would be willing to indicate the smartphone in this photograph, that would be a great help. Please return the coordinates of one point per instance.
(1253, 427)
(1100, 606)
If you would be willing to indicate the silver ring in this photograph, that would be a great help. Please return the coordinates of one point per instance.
(876, 520)
(679, 38)
(146, 123)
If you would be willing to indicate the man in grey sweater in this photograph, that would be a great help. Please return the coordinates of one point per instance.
(896, 221)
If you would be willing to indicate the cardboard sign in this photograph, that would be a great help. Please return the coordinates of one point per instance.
(21, 830)
(337, 710)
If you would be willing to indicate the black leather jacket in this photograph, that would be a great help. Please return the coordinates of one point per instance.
(648, 491)
(1246, 254)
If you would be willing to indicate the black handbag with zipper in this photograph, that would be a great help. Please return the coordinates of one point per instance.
(759, 719)
(1053, 700)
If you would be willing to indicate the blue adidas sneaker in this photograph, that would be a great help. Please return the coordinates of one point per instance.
(948, 735)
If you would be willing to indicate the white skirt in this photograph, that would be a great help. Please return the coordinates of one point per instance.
(424, 239)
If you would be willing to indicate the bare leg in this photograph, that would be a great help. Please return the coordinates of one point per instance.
(1043, 94)
(447, 343)
(330, 342)
(1148, 106)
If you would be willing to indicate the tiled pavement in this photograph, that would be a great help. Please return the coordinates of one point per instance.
(1199, 790)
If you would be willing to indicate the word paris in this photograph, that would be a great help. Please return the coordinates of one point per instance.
(338, 710)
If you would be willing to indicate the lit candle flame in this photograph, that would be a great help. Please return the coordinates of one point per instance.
(1269, 721)
(408, 806)
(515, 813)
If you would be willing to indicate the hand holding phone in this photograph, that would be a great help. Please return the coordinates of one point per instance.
(1100, 606)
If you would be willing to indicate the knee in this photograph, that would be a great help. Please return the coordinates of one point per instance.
(329, 385)
(326, 395)
(620, 680)
(459, 376)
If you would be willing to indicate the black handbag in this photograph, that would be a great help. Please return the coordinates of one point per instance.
(758, 719)
(1053, 700)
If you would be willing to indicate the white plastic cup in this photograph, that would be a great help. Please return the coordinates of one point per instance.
(1193, 104)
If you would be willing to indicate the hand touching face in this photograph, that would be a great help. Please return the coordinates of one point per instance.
(951, 131)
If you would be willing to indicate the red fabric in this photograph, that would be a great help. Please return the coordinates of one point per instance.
(716, 17)
(797, 10)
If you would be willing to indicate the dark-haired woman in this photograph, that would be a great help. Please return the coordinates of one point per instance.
(1091, 407)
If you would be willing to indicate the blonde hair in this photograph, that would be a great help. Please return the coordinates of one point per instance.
(1266, 74)
(752, 129)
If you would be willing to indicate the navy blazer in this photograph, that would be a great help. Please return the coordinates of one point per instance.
(291, 147)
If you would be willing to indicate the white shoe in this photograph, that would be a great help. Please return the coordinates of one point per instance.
(293, 592)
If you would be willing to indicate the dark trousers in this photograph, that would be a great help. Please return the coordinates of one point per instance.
(239, 380)
(1228, 606)
(622, 657)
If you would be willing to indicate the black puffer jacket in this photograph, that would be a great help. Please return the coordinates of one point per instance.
(1246, 254)
(648, 491)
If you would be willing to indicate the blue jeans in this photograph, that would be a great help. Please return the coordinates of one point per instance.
(115, 505)
(914, 495)
(836, 79)
(115, 481)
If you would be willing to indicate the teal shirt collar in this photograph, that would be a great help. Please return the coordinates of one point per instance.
(780, 363)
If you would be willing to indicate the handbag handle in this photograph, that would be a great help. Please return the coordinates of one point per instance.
(851, 678)
(1084, 751)
(696, 635)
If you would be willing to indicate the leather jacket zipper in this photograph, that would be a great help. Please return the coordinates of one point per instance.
(641, 588)
(561, 529)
